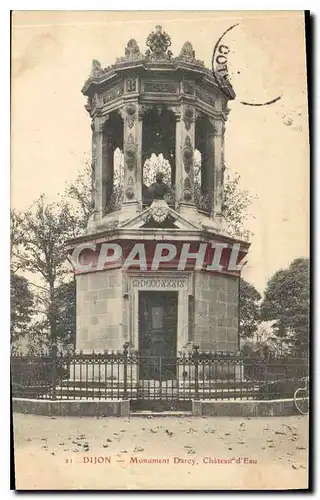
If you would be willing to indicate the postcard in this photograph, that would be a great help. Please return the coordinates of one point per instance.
(160, 179)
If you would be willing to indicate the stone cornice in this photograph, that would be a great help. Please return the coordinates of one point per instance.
(120, 69)
(154, 234)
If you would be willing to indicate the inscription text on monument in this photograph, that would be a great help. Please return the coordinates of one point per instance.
(158, 283)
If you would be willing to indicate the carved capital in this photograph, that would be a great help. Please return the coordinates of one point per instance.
(128, 114)
(199, 114)
(143, 109)
(176, 110)
(98, 123)
(219, 128)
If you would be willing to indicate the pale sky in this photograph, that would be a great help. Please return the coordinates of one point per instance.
(268, 146)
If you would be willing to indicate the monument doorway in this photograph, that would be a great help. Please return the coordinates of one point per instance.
(158, 313)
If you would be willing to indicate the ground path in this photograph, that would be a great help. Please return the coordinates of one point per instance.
(56, 452)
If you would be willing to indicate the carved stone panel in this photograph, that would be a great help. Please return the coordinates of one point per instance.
(202, 95)
(130, 152)
(131, 85)
(160, 87)
(131, 114)
(188, 87)
(188, 117)
(187, 154)
(112, 94)
(187, 189)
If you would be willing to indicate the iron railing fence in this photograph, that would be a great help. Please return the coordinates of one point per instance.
(135, 376)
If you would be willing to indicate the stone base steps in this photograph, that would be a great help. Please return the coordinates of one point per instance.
(152, 393)
(157, 414)
(155, 384)
(144, 391)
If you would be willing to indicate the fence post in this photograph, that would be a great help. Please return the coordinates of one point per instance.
(54, 371)
(125, 371)
(196, 371)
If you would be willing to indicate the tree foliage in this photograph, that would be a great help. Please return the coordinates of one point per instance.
(42, 252)
(249, 309)
(66, 306)
(286, 303)
(22, 302)
(235, 207)
(78, 195)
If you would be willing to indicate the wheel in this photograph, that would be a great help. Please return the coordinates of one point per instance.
(301, 401)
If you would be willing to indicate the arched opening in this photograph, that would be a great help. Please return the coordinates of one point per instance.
(152, 166)
(158, 151)
(113, 162)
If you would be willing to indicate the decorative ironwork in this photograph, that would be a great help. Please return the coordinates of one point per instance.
(158, 42)
(197, 375)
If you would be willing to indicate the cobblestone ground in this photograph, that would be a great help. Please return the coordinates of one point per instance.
(160, 453)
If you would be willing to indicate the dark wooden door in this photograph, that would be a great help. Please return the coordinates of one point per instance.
(157, 335)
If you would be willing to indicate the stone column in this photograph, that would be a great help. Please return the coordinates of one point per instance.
(185, 143)
(218, 152)
(99, 167)
(132, 159)
(207, 164)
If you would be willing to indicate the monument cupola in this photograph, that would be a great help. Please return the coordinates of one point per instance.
(155, 112)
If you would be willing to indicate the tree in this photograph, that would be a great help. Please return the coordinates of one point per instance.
(66, 306)
(156, 164)
(235, 206)
(286, 303)
(16, 235)
(80, 193)
(249, 309)
(21, 301)
(44, 231)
